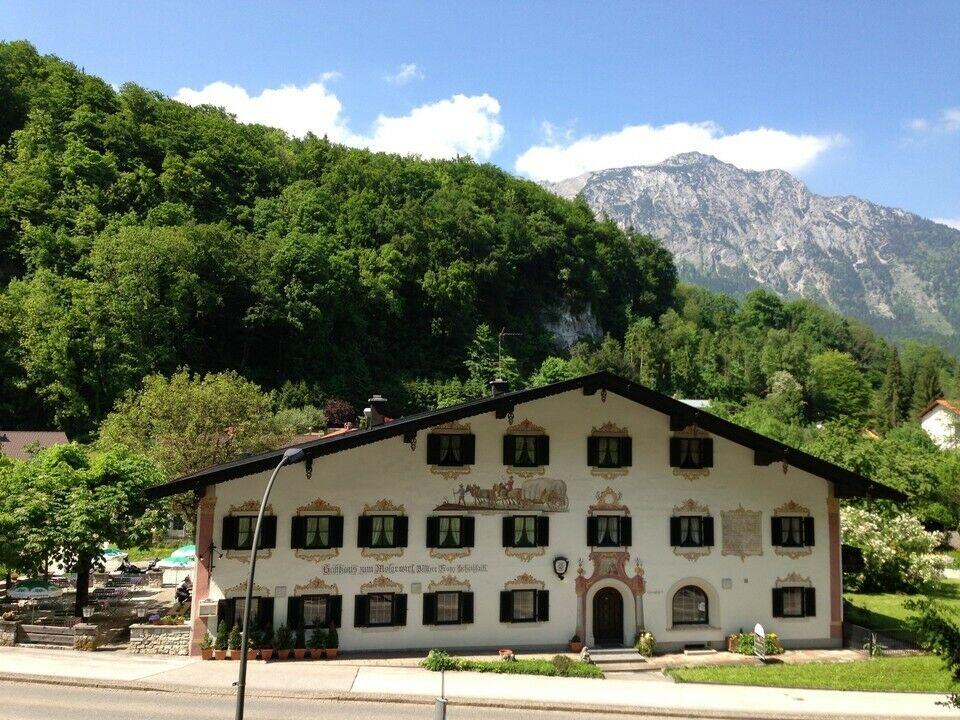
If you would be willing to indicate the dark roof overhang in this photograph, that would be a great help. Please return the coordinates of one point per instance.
(847, 484)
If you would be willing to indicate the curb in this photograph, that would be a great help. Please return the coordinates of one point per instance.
(657, 712)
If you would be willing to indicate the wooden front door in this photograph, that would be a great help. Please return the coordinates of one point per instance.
(608, 617)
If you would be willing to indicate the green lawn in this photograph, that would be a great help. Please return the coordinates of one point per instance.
(161, 550)
(923, 673)
(886, 611)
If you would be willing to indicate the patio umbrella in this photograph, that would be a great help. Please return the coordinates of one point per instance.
(185, 551)
(176, 563)
(34, 590)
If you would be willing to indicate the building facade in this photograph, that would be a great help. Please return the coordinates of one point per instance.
(593, 507)
(940, 420)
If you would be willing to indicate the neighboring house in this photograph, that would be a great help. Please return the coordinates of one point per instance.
(593, 506)
(939, 420)
(23, 444)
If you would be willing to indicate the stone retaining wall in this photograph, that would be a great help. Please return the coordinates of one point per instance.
(8, 633)
(160, 639)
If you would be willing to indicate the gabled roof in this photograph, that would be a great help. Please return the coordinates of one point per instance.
(18, 443)
(941, 403)
(767, 450)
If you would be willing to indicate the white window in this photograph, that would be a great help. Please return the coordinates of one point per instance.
(315, 611)
(448, 607)
(317, 533)
(793, 602)
(690, 606)
(380, 609)
(383, 533)
(449, 532)
(525, 531)
(608, 530)
(245, 526)
(524, 605)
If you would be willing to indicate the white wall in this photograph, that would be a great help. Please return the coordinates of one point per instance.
(389, 469)
(939, 424)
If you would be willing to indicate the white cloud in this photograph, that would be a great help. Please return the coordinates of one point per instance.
(404, 74)
(948, 121)
(951, 119)
(297, 110)
(759, 149)
(459, 125)
(949, 222)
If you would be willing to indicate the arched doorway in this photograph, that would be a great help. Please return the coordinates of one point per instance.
(608, 617)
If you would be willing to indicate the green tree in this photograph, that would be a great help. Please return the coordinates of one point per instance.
(927, 386)
(66, 502)
(892, 398)
(837, 387)
(188, 422)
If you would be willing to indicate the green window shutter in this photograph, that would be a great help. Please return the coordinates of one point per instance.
(506, 606)
(593, 531)
(809, 602)
(626, 451)
(508, 531)
(509, 445)
(433, 532)
(429, 608)
(298, 532)
(364, 531)
(626, 531)
(707, 531)
(466, 608)
(777, 602)
(361, 605)
(543, 605)
(808, 534)
(466, 532)
(776, 531)
(593, 451)
(401, 526)
(468, 449)
(336, 531)
(675, 532)
(675, 451)
(543, 531)
(399, 609)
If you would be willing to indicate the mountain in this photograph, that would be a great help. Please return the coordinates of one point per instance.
(733, 230)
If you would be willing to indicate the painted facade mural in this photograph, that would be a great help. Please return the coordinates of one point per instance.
(541, 493)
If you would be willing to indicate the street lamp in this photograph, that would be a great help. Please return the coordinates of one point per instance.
(290, 456)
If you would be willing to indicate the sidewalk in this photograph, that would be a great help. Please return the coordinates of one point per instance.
(344, 681)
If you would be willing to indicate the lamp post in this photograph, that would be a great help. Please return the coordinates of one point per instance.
(291, 455)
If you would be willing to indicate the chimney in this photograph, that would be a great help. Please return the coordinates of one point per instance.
(498, 387)
(376, 410)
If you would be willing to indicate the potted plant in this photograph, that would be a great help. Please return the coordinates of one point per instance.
(333, 642)
(266, 643)
(283, 641)
(300, 648)
(576, 644)
(233, 642)
(317, 641)
(220, 643)
(253, 643)
(206, 647)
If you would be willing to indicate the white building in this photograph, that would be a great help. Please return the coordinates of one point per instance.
(940, 421)
(592, 506)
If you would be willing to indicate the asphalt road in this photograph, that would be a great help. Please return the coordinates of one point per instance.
(28, 701)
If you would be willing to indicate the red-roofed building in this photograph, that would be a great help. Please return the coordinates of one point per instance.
(23, 444)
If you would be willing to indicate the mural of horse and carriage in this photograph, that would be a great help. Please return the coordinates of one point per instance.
(548, 494)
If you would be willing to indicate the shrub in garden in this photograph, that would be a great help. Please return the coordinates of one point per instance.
(233, 641)
(222, 634)
(562, 663)
(898, 554)
(318, 638)
(283, 638)
(745, 644)
(646, 644)
(938, 630)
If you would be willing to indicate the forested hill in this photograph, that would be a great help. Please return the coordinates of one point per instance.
(139, 235)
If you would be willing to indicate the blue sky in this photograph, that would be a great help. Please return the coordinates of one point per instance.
(855, 98)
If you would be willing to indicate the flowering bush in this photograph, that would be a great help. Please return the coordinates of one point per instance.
(646, 644)
(898, 554)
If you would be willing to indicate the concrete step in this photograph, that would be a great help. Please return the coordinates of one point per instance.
(615, 655)
(627, 667)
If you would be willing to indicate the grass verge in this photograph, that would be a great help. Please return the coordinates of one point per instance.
(161, 550)
(920, 673)
(886, 611)
(559, 666)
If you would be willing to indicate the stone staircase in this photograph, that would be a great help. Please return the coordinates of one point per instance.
(620, 662)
